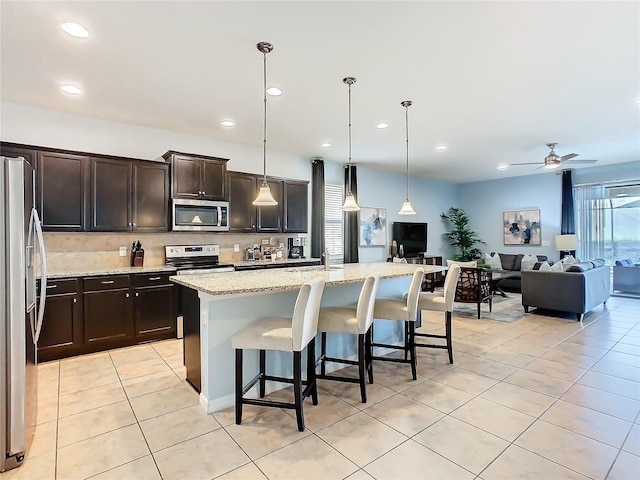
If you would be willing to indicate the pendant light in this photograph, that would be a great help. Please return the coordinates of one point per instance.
(350, 204)
(407, 208)
(264, 198)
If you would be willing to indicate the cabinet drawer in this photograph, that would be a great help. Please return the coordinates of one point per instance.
(59, 286)
(106, 283)
(151, 279)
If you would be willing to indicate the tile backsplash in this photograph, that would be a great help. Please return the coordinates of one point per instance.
(101, 250)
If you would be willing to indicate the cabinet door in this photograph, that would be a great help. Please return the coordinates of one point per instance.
(186, 177)
(270, 218)
(150, 209)
(61, 191)
(295, 206)
(61, 334)
(110, 195)
(108, 318)
(242, 212)
(214, 179)
(154, 313)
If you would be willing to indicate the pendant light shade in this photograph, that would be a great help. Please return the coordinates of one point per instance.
(350, 204)
(264, 198)
(407, 208)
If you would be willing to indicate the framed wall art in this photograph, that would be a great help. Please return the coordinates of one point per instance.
(373, 227)
(522, 227)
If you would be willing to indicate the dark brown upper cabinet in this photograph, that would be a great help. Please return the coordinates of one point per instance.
(197, 176)
(129, 196)
(295, 207)
(270, 218)
(242, 191)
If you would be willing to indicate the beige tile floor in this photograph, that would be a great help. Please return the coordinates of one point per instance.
(544, 397)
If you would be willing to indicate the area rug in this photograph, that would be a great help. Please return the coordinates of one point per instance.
(507, 309)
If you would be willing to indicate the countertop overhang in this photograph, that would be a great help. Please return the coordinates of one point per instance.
(282, 279)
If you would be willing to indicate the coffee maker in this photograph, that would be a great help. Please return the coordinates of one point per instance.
(295, 247)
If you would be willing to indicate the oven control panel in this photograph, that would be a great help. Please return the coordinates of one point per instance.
(181, 251)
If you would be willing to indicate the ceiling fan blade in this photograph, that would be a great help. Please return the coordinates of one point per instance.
(568, 156)
(530, 163)
(576, 162)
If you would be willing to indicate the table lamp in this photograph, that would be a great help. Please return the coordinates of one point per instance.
(566, 243)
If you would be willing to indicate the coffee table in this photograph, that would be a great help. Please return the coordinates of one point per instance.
(496, 276)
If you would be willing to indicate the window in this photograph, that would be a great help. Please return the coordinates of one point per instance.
(333, 230)
(609, 222)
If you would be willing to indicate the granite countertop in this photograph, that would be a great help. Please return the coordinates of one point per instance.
(288, 261)
(94, 272)
(281, 279)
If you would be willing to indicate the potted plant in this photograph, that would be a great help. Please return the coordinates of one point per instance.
(463, 239)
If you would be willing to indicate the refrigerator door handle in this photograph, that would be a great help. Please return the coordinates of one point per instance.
(43, 277)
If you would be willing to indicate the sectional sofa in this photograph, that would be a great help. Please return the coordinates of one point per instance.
(513, 263)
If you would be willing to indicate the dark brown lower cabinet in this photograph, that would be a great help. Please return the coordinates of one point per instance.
(62, 328)
(154, 312)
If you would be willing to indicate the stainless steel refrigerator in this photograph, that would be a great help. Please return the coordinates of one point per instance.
(22, 260)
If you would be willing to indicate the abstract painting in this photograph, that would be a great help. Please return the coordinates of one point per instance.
(373, 227)
(522, 227)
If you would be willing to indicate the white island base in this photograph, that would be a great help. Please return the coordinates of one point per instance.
(228, 302)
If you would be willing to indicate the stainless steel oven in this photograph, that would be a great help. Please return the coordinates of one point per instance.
(200, 216)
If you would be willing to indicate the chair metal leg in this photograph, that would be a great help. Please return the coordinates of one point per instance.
(263, 371)
(238, 386)
(361, 367)
(449, 341)
(311, 371)
(297, 388)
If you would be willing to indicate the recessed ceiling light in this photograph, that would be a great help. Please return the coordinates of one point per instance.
(325, 145)
(71, 89)
(382, 125)
(441, 148)
(74, 29)
(503, 166)
(227, 123)
(274, 91)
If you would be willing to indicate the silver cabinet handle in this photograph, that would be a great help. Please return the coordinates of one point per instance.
(204, 193)
(137, 294)
(134, 224)
(154, 278)
(52, 286)
(107, 282)
(75, 300)
(127, 295)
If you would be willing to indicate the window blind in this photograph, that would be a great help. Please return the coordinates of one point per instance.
(333, 230)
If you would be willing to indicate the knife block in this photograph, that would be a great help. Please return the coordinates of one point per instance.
(138, 258)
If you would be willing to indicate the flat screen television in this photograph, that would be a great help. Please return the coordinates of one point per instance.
(412, 236)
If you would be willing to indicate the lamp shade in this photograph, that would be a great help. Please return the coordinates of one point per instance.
(350, 204)
(407, 208)
(265, 199)
(566, 242)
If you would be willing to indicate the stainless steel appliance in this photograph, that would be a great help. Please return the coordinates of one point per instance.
(200, 216)
(21, 313)
(193, 260)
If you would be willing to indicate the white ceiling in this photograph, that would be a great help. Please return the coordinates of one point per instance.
(494, 81)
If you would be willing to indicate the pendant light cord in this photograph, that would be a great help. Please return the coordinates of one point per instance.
(349, 184)
(264, 134)
(406, 123)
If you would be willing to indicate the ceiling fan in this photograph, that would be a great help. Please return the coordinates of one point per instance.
(553, 160)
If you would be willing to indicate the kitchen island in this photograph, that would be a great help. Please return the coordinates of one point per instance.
(216, 306)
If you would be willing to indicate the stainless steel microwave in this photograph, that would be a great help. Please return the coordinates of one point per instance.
(200, 216)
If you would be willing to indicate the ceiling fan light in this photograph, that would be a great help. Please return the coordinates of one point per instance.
(350, 204)
(551, 165)
(264, 198)
(407, 208)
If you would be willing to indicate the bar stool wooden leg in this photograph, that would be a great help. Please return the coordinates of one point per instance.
(311, 371)
(449, 342)
(239, 386)
(323, 353)
(411, 328)
(361, 367)
(369, 353)
(263, 371)
(297, 389)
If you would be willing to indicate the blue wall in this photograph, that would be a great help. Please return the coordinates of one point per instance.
(485, 202)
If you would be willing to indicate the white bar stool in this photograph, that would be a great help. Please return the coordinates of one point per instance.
(356, 320)
(441, 303)
(401, 310)
(288, 335)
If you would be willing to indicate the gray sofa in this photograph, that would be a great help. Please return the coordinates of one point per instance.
(513, 263)
(626, 276)
(578, 290)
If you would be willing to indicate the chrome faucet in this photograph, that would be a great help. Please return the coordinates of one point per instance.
(325, 259)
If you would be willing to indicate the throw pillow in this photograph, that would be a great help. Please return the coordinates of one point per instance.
(557, 267)
(569, 260)
(473, 263)
(545, 267)
(494, 261)
(528, 261)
